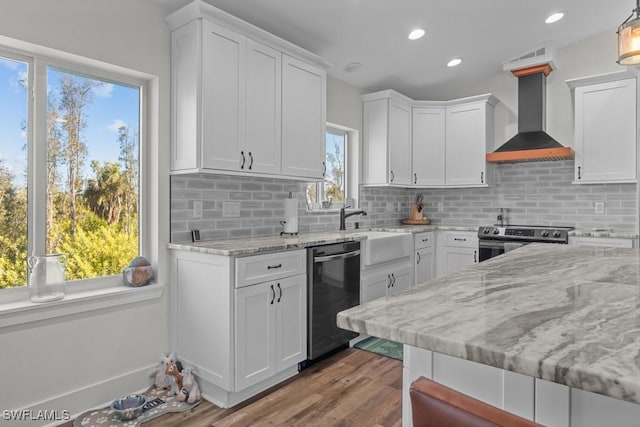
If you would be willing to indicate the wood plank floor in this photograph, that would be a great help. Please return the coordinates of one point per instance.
(352, 388)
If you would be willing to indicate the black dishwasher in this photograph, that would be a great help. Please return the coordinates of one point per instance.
(333, 278)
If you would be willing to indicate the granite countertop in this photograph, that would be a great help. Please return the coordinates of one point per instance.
(561, 313)
(603, 232)
(263, 244)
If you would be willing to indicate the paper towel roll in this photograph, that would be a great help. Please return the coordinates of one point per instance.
(290, 215)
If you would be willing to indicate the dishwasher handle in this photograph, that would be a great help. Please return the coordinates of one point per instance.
(343, 255)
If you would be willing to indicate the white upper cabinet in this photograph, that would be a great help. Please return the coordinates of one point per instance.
(387, 139)
(426, 143)
(303, 119)
(605, 128)
(399, 143)
(263, 112)
(428, 146)
(469, 133)
(243, 100)
(223, 100)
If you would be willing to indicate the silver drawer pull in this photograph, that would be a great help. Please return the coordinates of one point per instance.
(457, 239)
(425, 240)
(269, 267)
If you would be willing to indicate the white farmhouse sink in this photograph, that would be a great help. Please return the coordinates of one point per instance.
(383, 246)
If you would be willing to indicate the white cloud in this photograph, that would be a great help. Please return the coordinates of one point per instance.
(103, 90)
(115, 125)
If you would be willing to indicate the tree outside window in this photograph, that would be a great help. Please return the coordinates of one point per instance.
(92, 172)
(332, 191)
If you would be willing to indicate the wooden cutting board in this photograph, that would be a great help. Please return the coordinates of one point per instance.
(409, 221)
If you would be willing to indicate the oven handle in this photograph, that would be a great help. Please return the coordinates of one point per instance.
(337, 256)
(490, 244)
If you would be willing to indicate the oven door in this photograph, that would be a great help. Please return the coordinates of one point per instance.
(489, 249)
(492, 248)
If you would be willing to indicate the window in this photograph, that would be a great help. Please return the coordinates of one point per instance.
(332, 192)
(69, 177)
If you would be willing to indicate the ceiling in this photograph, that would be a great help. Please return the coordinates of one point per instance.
(484, 33)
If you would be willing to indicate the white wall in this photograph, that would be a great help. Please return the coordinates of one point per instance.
(76, 362)
(344, 107)
(594, 55)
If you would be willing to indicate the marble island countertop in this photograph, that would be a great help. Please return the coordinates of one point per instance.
(561, 313)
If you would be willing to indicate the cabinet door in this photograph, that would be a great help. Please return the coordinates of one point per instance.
(374, 286)
(255, 318)
(428, 146)
(456, 258)
(223, 97)
(400, 279)
(399, 143)
(263, 108)
(424, 263)
(291, 321)
(605, 132)
(303, 119)
(466, 144)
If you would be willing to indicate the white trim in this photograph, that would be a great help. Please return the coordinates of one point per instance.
(101, 292)
(77, 402)
(24, 311)
(601, 78)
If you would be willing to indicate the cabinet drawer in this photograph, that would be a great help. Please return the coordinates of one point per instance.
(261, 268)
(423, 240)
(466, 240)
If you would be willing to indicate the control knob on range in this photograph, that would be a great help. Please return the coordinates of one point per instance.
(544, 233)
(496, 231)
(556, 233)
(486, 230)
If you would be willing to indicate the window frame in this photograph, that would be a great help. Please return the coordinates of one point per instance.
(350, 174)
(38, 59)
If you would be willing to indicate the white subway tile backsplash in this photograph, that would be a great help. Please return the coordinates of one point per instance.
(535, 193)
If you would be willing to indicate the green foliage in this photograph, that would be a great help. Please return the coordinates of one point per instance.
(13, 239)
(95, 227)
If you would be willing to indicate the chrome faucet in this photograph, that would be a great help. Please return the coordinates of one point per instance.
(344, 216)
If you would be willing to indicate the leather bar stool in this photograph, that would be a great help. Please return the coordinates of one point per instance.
(435, 405)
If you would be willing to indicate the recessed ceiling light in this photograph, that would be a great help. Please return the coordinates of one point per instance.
(454, 62)
(554, 17)
(416, 34)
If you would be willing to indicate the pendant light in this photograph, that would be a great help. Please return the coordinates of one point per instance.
(629, 39)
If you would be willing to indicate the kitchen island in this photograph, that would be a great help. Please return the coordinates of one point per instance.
(550, 332)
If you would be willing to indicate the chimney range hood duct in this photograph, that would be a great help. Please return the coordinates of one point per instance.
(531, 143)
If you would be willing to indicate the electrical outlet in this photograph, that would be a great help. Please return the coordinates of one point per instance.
(599, 207)
(197, 209)
(389, 206)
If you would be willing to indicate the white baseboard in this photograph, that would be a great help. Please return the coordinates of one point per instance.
(97, 395)
(226, 399)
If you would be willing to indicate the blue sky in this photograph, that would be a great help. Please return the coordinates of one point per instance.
(113, 105)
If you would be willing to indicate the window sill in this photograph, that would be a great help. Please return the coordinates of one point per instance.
(25, 311)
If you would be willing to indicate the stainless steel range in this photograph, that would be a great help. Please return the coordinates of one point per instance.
(495, 240)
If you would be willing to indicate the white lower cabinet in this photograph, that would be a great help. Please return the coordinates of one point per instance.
(456, 250)
(544, 402)
(271, 332)
(424, 260)
(385, 279)
(241, 322)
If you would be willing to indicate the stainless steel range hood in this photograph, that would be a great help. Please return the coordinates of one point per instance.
(531, 143)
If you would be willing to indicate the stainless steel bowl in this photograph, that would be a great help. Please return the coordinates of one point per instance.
(129, 407)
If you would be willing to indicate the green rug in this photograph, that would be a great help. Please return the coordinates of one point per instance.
(382, 347)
